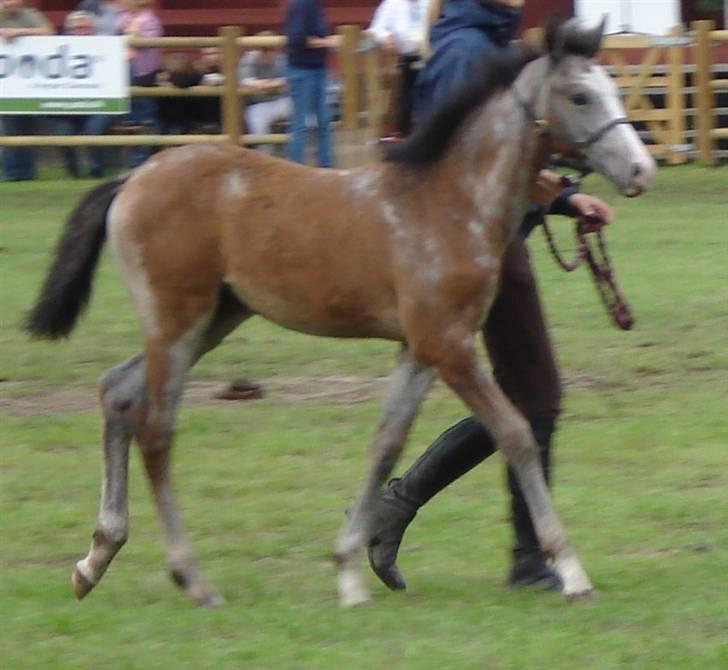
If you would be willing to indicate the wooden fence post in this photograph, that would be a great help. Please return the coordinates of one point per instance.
(704, 93)
(534, 37)
(349, 76)
(675, 100)
(372, 69)
(230, 100)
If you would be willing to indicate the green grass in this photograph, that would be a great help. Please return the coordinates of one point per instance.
(641, 480)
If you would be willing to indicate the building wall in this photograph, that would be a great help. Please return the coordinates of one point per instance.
(202, 17)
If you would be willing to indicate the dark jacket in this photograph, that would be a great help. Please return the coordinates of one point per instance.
(465, 35)
(305, 19)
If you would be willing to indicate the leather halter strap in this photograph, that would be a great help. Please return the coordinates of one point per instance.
(597, 260)
(546, 130)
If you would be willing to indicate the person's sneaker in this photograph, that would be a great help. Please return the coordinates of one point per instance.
(530, 570)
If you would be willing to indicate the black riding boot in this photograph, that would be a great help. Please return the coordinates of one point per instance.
(530, 568)
(455, 452)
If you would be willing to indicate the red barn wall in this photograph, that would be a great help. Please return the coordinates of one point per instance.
(200, 17)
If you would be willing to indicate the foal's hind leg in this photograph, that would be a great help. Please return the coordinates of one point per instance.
(124, 405)
(407, 387)
(167, 364)
(121, 394)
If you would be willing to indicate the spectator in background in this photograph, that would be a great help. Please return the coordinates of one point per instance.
(82, 23)
(264, 70)
(178, 115)
(307, 49)
(17, 20)
(107, 15)
(209, 66)
(139, 20)
(400, 27)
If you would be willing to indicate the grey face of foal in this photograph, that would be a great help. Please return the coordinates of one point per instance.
(583, 101)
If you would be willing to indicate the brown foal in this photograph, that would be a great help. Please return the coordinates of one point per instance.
(407, 249)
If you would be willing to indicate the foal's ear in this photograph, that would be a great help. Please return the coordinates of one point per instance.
(572, 38)
(553, 37)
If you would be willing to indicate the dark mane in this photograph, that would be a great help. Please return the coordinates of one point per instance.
(431, 140)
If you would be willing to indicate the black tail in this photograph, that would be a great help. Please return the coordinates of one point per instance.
(67, 287)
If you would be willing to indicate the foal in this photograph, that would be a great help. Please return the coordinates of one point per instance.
(408, 249)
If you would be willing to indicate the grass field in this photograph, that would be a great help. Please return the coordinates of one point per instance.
(641, 480)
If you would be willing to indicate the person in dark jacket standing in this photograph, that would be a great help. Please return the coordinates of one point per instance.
(308, 43)
(467, 33)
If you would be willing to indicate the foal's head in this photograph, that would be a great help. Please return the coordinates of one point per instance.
(582, 110)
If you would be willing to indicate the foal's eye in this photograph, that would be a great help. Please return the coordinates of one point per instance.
(579, 99)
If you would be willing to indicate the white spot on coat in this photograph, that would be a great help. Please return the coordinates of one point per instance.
(476, 229)
(363, 183)
(391, 218)
(235, 185)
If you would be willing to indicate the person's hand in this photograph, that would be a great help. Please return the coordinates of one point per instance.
(589, 206)
(389, 45)
(212, 79)
(329, 42)
(9, 34)
(546, 188)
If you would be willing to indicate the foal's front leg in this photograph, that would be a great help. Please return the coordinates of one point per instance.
(406, 389)
(461, 370)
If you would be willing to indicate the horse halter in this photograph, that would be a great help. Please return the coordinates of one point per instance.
(599, 264)
(547, 131)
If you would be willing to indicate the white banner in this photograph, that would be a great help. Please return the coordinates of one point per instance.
(655, 17)
(64, 75)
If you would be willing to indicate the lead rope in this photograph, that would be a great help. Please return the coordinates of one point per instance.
(601, 268)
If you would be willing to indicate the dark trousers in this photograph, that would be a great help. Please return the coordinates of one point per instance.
(91, 124)
(19, 162)
(408, 67)
(143, 112)
(518, 342)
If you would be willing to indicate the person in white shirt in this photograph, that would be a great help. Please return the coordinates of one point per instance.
(264, 71)
(400, 27)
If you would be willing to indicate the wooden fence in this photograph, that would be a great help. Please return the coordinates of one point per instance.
(232, 98)
(706, 37)
(661, 69)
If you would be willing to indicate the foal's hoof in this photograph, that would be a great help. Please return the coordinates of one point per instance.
(585, 596)
(208, 600)
(350, 600)
(81, 585)
(196, 590)
(352, 592)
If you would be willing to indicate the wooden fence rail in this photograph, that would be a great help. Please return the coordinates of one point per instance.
(232, 96)
(662, 67)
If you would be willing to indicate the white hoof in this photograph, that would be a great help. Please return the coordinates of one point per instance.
(575, 580)
(352, 591)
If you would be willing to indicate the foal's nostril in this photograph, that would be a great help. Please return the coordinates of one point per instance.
(636, 170)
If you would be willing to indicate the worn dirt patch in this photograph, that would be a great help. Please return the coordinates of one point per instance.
(331, 389)
(334, 389)
(19, 399)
